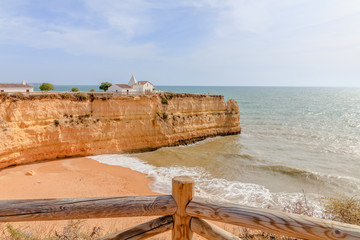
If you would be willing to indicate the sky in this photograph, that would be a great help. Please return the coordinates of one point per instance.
(182, 42)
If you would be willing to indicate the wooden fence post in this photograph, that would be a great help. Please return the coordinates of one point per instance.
(182, 192)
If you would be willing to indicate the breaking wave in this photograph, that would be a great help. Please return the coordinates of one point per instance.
(208, 187)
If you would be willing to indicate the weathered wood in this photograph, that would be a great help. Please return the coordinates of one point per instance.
(144, 230)
(182, 192)
(82, 208)
(209, 230)
(273, 221)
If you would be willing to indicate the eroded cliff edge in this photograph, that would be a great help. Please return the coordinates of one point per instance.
(56, 127)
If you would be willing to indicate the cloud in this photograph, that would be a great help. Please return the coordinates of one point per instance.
(107, 28)
(256, 40)
(129, 17)
(111, 39)
(284, 32)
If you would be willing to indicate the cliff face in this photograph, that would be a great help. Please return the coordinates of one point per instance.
(38, 129)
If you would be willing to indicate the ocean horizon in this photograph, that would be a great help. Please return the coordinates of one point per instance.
(81, 87)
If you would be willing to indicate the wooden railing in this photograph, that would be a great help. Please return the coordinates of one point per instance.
(181, 213)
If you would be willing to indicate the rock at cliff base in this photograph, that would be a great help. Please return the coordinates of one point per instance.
(30, 173)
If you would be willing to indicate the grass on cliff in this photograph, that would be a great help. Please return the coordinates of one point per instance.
(166, 97)
(79, 96)
(343, 209)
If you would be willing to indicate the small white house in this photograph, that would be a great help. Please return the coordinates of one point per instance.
(133, 87)
(144, 87)
(14, 87)
(121, 88)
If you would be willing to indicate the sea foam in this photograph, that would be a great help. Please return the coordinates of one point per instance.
(208, 187)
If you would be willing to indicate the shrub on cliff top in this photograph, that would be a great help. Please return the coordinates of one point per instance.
(46, 87)
(169, 96)
(34, 97)
(166, 97)
(18, 95)
(65, 95)
(74, 89)
(106, 97)
(4, 96)
(82, 96)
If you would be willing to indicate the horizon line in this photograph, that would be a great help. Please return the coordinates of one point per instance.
(280, 86)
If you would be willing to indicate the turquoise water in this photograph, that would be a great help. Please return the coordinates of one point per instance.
(293, 141)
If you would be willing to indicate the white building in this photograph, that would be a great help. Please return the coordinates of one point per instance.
(133, 87)
(14, 87)
(121, 88)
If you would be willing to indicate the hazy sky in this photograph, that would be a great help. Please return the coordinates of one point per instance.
(181, 42)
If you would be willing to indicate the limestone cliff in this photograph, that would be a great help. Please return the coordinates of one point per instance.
(56, 127)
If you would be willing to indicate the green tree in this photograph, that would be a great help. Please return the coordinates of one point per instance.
(74, 89)
(46, 87)
(105, 86)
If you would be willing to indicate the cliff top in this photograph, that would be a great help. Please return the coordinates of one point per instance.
(83, 96)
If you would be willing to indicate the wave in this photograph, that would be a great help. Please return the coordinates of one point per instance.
(289, 171)
(305, 175)
(239, 156)
(207, 140)
(208, 187)
(312, 177)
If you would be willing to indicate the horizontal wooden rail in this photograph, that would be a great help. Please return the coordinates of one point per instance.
(82, 208)
(184, 218)
(273, 221)
(144, 230)
(209, 230)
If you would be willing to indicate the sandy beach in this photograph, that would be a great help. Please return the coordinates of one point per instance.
(74, 177)
(71, 178)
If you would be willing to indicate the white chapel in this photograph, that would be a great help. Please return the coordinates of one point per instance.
(133, 87)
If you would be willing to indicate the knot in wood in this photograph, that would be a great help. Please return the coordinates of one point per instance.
(337, 233)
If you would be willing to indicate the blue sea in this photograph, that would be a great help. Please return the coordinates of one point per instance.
(296, 143)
